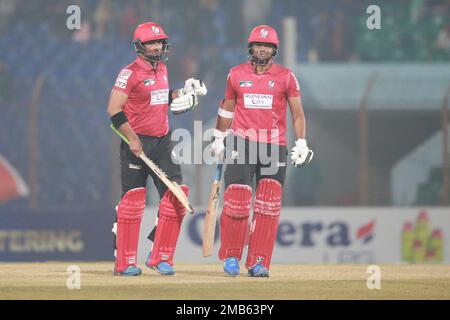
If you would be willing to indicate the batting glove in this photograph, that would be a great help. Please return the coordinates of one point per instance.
(194, 85)
(301, 154)
(218, 146)
(184, 103)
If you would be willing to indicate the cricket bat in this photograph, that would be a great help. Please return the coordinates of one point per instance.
(209, 225)
(172, 185)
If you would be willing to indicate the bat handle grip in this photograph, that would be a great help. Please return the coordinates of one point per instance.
(218, 172)
(120, 134)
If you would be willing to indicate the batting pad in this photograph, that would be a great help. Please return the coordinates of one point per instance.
(171, 214)
(237, 202)
(263, 231)
(129, 216)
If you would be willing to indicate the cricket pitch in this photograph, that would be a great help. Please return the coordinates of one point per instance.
(48, 280)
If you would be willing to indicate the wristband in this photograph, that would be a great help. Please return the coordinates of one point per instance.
(225, 114)
(119, 119)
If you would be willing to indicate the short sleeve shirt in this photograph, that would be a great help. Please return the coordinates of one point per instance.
(148, 97)
(261, 101)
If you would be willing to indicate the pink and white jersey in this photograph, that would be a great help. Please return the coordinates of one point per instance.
(261, 101)
(148, 97)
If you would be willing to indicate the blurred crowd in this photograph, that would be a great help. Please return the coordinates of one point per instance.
(209, 36)
(329, 30)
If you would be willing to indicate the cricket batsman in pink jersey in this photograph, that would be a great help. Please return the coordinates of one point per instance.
(138, 107)
(255, 104)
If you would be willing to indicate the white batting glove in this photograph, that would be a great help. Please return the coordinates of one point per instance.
(184, 103)
(301, 154)
(194, 85)
(218, 146)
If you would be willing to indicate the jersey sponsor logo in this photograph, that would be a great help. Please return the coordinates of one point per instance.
(125, 73)
(245, 83)
(258, 101)
(149, 82)
(122, 79)
(135, 166)
(121, 83)
(160, 97)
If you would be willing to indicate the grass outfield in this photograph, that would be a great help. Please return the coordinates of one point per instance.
(206, 281)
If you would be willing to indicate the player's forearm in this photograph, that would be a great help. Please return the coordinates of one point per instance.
(128, 132)
(223, 124)
(118, 118)
(225, 114)
(298, 117)
(299, 123)
(120, 121)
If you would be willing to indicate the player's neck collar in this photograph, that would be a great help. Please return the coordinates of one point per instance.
(269, 69)
(147, 65)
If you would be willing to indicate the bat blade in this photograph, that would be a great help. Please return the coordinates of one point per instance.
(209, 226)
(172, 185)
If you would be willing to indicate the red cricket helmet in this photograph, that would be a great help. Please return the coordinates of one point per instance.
(150, 31)
(263, 34)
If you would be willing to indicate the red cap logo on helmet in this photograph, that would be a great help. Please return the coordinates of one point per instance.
(155, 30)
(265, 34)
(149, 31)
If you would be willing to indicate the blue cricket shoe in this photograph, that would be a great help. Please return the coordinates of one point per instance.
(258, 270)
(162, 268)
(129, 272)
(231, 266)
